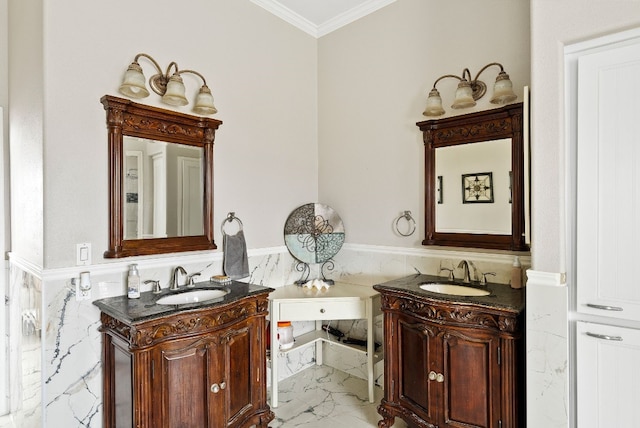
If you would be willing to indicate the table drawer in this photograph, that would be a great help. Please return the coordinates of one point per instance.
(327, 310)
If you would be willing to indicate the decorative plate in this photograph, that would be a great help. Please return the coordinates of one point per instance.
(313, 233)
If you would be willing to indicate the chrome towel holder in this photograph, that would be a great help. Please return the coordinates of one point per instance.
(231, 217)
(411, 223)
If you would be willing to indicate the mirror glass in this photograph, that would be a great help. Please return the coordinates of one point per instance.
(467, 202)
(475, 180)
(163, 189)
(160, 179)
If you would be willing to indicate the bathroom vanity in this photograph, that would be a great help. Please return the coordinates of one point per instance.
(452, 360)
(200, 364)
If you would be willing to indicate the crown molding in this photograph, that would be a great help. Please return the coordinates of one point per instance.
(319, 30)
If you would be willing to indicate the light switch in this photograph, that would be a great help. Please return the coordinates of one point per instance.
(83, 254)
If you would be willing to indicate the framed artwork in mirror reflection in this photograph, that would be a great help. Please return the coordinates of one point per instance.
(477, 188)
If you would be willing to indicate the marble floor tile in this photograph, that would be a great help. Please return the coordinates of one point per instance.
(321, 397)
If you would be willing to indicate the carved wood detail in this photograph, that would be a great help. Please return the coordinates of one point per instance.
(451, 313)
(127, 118)
(477, 127)
(154, 368)
(136, 123)
(172, 326)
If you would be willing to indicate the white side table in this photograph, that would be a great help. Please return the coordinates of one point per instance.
(341, 302)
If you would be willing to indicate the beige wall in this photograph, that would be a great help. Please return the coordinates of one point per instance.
(26, 133)
(374, 78)
(262, 72)
(329, 120)
(555, 24)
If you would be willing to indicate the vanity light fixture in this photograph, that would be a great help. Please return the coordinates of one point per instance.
(169, 86)
(469, 91)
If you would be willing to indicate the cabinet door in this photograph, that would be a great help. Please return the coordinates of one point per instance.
(470, 378)
(417, 344)
(608, 182)
(182, 382)
(241, 371)
(608, 379)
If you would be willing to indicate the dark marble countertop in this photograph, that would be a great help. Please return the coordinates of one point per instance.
(502, 296)
(132, 311)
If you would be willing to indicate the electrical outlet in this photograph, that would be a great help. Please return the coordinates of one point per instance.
(83, 254)
(80, 293)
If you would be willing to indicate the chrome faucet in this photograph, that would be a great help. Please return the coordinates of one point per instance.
(175, 284)
(466, 275)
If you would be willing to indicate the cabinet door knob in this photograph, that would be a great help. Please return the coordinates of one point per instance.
(223, 385)
(215, 388)
(322, 311)
(440, 378)
(432, 375)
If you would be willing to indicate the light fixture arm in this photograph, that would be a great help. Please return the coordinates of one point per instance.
(478, 87)
(168, 85)
(192, 72)
(158, 82)
(448, 75)
(470, 90)
(485, 67)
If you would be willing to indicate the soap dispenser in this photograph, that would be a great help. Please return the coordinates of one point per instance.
(516, 274)
(133, 282)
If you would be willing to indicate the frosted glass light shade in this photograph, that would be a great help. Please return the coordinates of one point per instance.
(204, 102)
(434, 104)
(503, 90)
(175, 92)
(464, 96)
(133, 83)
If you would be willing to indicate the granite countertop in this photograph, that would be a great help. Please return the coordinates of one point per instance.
(502, 296)
(132, 311)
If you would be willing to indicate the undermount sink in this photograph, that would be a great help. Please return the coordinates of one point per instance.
(194, 296)
(453, 289)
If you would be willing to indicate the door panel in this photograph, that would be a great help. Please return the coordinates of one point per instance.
(608, 182)
(185, 399)
(608, 376)
(240, 371)
(417, 352)
(471, 380)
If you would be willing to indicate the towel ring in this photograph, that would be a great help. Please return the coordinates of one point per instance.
(412, 223)
(231, 217)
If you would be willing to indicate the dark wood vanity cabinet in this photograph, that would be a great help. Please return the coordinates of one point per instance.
(202, 368)
(450, 365)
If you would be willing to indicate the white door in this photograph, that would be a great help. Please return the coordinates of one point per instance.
(190, 197)
(609, 374)
(608, 183)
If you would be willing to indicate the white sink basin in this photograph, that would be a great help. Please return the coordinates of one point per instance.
(453, 289)
(194, 296)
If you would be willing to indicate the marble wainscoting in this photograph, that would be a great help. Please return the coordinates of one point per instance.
(548, 380)
(65, 385)
(25, 347)
(69, 373)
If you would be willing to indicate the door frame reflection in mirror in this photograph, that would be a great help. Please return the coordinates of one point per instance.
(125, 117)
(478, 127)
(168, 185)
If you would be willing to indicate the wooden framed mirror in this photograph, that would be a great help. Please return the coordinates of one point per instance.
(160, 179)
(475, 180)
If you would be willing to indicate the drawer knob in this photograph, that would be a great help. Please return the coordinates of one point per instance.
(440, 378)
(215, 388)
(322, 311)
(432, 375)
